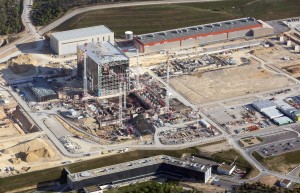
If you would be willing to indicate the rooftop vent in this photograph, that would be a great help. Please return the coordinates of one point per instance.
(162, 33)
(185, 30)
(85, 174)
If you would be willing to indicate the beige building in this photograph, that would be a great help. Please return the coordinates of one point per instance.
(66, 42)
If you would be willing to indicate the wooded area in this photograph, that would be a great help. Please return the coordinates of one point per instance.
(258, 187)
(10, 12)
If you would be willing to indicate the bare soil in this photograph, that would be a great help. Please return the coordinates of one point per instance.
(227, 83)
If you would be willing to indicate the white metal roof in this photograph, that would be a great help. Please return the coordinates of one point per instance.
(264, 104)
(103, 53)
(80, 33)
(272, 113)
(283, 120)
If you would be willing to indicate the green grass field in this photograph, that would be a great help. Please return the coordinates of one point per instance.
(281, 163)
(144, 19)
(33, 178)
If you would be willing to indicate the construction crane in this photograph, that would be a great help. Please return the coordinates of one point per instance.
(168, 82)
(83, 57)
(124, 93)
(137, 69)
(196, 52)
(120, 106)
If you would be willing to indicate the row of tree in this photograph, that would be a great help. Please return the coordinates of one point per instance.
(162, 188)
(10, 12)
(261, 188)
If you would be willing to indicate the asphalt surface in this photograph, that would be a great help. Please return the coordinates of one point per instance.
(279, 147)
(279, 137)
(56, 127)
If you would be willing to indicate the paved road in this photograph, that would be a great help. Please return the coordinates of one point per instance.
(56, 127)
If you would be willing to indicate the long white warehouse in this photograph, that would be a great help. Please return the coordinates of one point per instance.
(66, 42)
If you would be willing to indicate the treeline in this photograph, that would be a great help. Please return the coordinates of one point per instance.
(261, 188)
(10, 16)
(162, 188)
(45, 11)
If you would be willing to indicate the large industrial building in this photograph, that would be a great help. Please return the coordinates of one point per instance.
(157, 165)
(66, 42)
(202, 34)
(107, 68)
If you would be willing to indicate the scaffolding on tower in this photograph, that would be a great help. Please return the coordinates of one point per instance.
(168, 83)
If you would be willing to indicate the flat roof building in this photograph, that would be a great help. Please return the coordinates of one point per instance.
(282, 120)
(226, 169)
(42, 90)
(285, 183)
(264, 105)
(106, 67)
(272, 113)
(66, 42)
(157, 165)
(201, 34)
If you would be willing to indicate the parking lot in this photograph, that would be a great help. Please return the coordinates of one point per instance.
(279, 147)
(278, 137)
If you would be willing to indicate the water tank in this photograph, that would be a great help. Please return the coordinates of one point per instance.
(128, 35)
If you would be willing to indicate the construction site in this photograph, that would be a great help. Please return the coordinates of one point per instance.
(104, 100)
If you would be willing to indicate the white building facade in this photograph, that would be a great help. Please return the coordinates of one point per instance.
(66, 42)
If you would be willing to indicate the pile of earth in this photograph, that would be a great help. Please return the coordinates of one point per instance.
(22, 63)
(31, 151)
(294, 69)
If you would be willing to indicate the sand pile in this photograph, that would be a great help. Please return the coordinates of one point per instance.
(22, 63)
(294, 69)
(31, 151)
(24, 59)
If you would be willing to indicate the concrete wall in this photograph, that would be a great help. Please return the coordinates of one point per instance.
(159, 47)
(24, 120)
(239, 34)
(188, 42)
(258, 32)
(70, 46)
